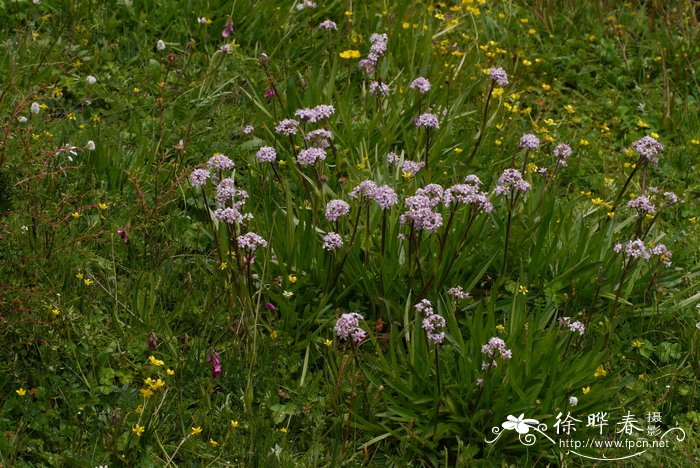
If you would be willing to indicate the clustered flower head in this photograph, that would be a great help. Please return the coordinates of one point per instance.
(468, 194)
(315, 114)
(221, 162)
(427, 120)
(420, 213)
(458, 292)
(248, 129)
(309, 156)
(562, 152)
(226, 191)
(499, 75)
(251, 241)
(377, 88)
(266, 154)
(576, 326)
(421, 84)
(432, 322)
(671, 198)
(306, 4)
(495, 348)
(385, 197)
(411, 167)
(199, 177)
(511, 180)
(365, 189)
(287, 127)
(529, 141)
(328, 25)
(377, 49)
(637, 249)
(320, 138)
(332, 241)
(335, 209)
(348, 325)
(649, 148)
(642, 205)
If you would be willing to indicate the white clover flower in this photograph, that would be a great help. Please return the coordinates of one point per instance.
(160, 45)
(91, 80)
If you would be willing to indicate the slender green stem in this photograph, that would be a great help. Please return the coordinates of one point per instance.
(482, 130)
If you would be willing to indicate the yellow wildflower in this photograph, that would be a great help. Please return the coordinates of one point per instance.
(146, 392)
(584, 142)
(500, 328)
(522, 289)
(638, 343)
(170, 372)
(234, 424)
(600, 371)
(196, 431)
(138, 430)
(586, 390)
(328, 342)
(292, 279)
(350, 54)
(75, 215)
(283, 430)
(55, 312)
(213, 443)
(154, 361)
(21, 391)
(87, 281)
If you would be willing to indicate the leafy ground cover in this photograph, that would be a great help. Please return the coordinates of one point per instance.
(267, 233)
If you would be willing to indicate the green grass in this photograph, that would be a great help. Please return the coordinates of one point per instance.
(115, 273)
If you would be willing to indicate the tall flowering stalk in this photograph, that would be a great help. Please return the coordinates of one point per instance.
(648, 150)
(433, 324)
(498, 77)
(511, 185)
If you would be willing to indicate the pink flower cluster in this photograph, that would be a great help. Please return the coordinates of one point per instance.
(576, 326)
(332, 241)
(637, 249)
(348, 325)
(495, 348)
(432, 322)
(458, 292)
(649, 148)
(642, 205)
(251, 241)
(376, 50)
(511, 180)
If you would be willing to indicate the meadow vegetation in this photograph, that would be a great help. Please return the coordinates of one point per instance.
(279, 233)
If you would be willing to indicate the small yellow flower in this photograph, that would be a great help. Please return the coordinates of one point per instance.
(87, 281)
(234, 424)
(655, 135)
(522, 289)
(642, 376)
(283, 430)
(586, 390)
(136, 90)
(96, 118)
(638, 343)
(524, 20)
(55, 312)
(21, 391)
(170, 372)
(79, 276)
(693, 220)
(328, 342)
(361, 166)
(611, 214)
(695, 142)
(350, 54)
(71, 116)
(569, 108)
(598, 201)
(500, 328)
(642, 124)
(584, 142)
(213, 443)
(139, 409)
(223, 266)
(75, 215)
(154, 361)
(146, 392)
(458, 150)
(196, 431)
(407, 175)
(497, 92)
(102, 206)
(273, 335)
(292, 279)
(498, 142)
(600, 371)
(527, 63)
(138, 430)
(158, 384)
(406, 25)
(348, 13)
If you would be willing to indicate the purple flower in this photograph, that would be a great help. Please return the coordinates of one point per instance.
(379, 45)
(332, 241)
(434, 193)
(420, 215)
(365, 189)
(469, 195)
(229, 215)
(634, 249)
(305, 4)
(671, 198)
(529, 141)
(199, 177)
(228, 29)
(268, 95)
(642, 205)
(421, 84)
(573, 326)
(309, 156)
(391, 158)
(378, 89)
(123, 235)
(266, 154)
(287, 127)
(458, 292)
(248, 129)
(426, 120)
(495, 348)
(221, 162)
(648, 148)
(499, 75)
(425, 307)
(335, 209)
(385, 197)
(226, 191)
(562, 152)
(432, 325)
(316, 114)
(411, 167)
(511, 180)
(251, 241)
(347, 325)
(663, 253)
(270, 306)
(215, 361)
(319, 138)
(328, 25)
